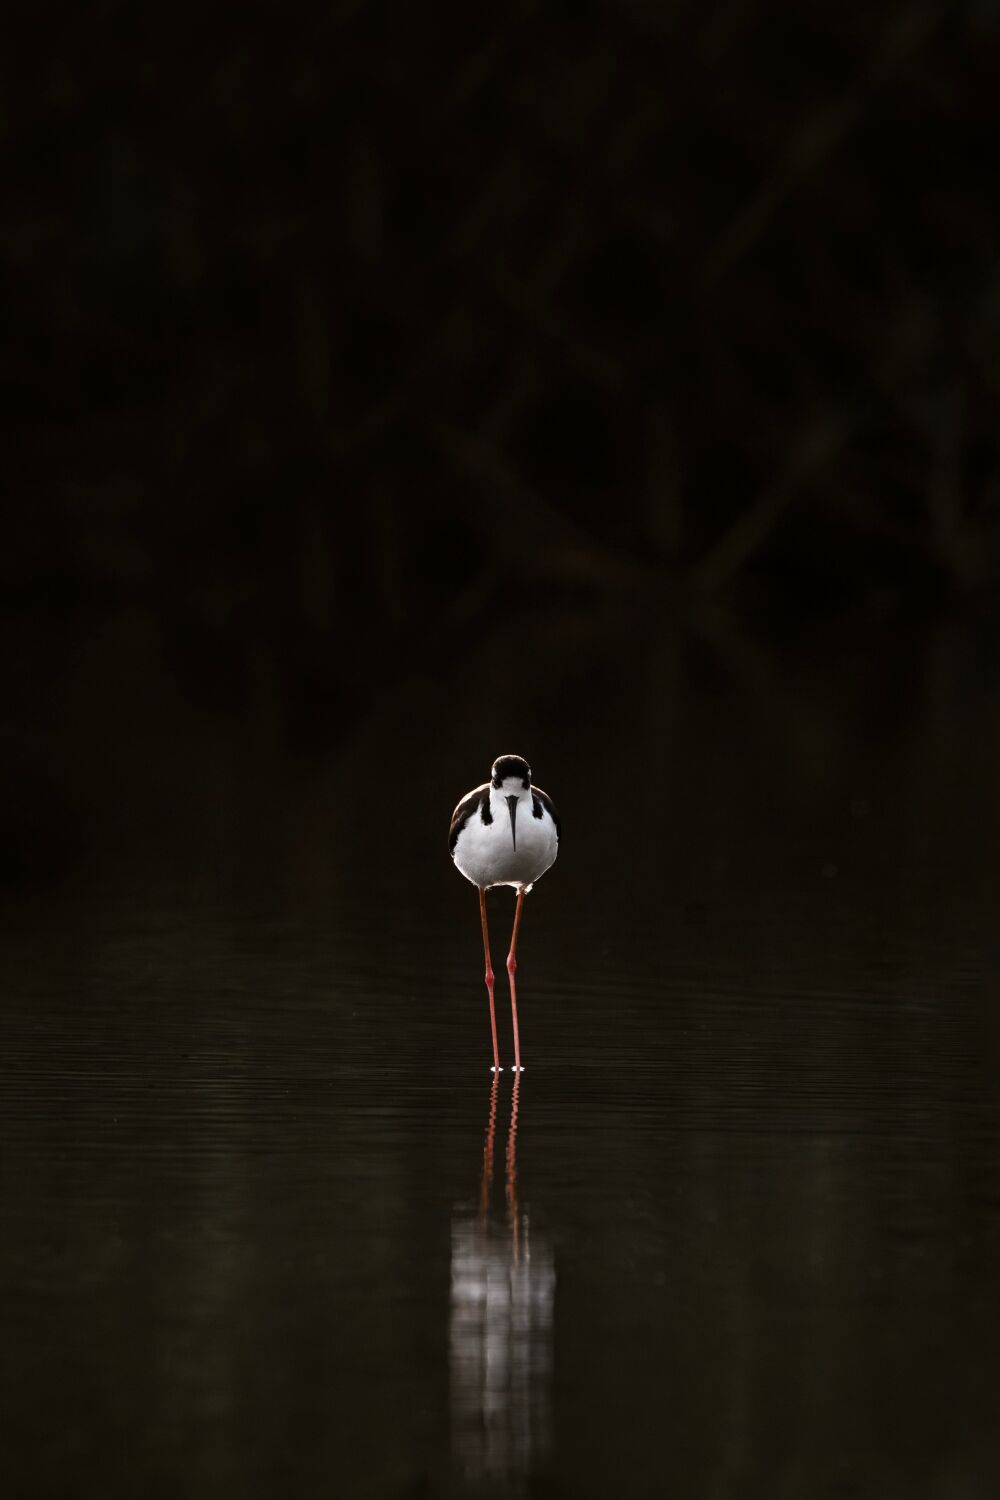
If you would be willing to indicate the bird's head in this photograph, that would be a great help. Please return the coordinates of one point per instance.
(512, 774)
(511, 781)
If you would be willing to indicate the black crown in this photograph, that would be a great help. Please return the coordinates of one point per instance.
(511, 765)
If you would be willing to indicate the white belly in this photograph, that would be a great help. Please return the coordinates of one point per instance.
(485, 853)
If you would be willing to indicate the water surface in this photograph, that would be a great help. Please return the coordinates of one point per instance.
(269, 1228)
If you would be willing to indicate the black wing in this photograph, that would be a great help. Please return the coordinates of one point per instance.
(542, 799)
(465, 809)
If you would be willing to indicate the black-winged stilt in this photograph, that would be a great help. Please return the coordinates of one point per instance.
(506, 832)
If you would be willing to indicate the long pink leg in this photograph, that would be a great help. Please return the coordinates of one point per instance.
(489, 979)
(511, 971)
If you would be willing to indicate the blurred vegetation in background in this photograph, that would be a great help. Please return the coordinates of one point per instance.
(331, 335)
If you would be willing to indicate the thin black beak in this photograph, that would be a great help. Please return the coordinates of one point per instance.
(512, 805)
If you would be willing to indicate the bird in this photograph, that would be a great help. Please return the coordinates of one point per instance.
(505, 832)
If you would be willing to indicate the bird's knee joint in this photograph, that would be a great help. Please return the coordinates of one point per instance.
(489, 979)
(511, 964)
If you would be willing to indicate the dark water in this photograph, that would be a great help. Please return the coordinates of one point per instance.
(268, 1230)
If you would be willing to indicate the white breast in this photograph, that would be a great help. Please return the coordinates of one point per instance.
(485, 853)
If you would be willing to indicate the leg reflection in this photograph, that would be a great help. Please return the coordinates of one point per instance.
(502, 1294)
(512, 1214)
(486, 1181)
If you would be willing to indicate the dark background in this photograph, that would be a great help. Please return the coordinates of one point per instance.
(336, 339)
(385, 388)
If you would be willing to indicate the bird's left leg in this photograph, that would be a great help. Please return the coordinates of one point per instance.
(511, 971)
(489, 977)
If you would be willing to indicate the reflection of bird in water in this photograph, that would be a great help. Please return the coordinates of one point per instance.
(506, 832)
(502, 1291)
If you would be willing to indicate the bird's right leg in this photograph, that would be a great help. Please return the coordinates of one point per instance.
(489, 979)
